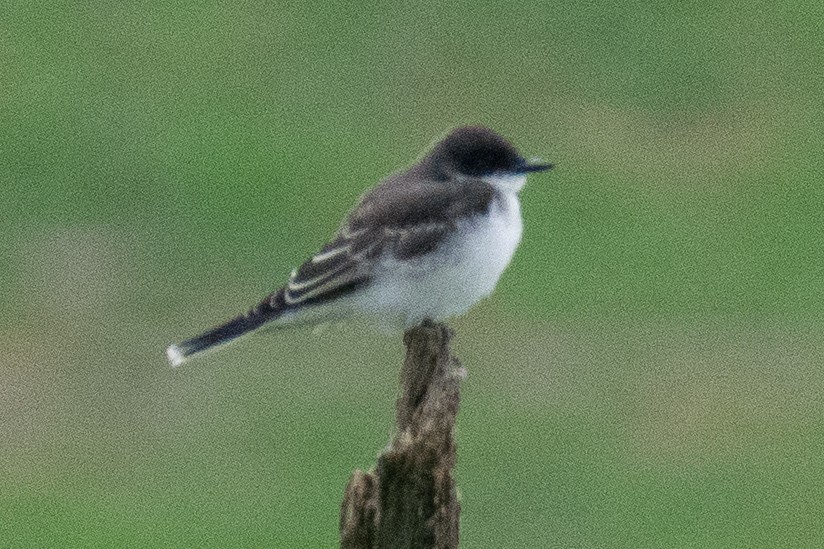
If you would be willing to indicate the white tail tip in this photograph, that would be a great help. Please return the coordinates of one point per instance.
(175, 356)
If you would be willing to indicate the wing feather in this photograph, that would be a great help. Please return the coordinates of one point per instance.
(406, 219)
(340, 266)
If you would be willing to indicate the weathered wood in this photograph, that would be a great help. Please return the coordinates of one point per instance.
(409, 500)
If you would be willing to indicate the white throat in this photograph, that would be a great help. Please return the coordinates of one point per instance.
(506, 182)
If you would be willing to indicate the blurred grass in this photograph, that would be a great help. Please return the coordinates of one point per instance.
(647, 375)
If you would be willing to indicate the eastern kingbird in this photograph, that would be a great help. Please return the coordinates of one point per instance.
(426, 243)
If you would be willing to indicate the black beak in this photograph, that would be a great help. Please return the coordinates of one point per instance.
(528, 167)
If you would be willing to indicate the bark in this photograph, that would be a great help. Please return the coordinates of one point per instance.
(409, 500)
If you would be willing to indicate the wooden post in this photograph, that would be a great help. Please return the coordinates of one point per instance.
(409, 499)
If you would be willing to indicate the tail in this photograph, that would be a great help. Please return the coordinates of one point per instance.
(271, 308)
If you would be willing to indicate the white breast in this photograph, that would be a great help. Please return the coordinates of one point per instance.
(462, 271)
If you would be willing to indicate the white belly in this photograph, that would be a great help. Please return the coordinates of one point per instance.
(462, 271)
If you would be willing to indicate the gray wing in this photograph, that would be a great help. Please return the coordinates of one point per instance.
(340, 267)
(409, 218)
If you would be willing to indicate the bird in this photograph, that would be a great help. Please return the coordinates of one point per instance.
(426, 243)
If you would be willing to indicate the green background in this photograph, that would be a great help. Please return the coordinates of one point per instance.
(648, 374)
